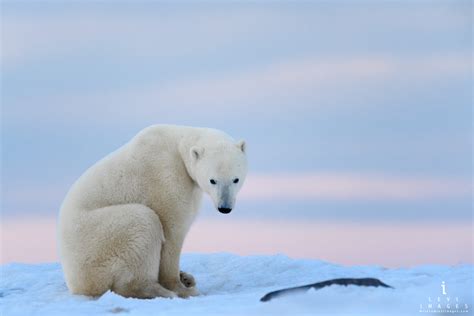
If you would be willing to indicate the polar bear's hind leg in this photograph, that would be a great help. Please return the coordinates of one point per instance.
(125, 247)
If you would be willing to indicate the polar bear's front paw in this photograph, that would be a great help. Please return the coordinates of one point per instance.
(187, 279)
(180, 289)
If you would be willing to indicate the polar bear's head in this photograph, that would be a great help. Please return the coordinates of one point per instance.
(220, 171)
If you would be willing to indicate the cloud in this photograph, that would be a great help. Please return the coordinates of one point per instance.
(291, 86)
(351, 186)
(294, 58)
(293, 81)
(33, 37)
(158, 31)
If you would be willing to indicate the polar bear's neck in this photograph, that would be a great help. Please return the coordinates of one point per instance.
(184, 147)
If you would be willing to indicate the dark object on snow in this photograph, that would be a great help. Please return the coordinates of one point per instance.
(299, 289)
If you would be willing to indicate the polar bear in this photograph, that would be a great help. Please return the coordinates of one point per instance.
(123, 222)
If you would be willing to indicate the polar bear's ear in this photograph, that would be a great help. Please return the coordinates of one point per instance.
(196, 152)
(241, 145)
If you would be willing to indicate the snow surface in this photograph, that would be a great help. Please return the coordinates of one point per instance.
(233, 285)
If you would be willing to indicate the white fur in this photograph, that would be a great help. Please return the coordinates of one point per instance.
(123, 223)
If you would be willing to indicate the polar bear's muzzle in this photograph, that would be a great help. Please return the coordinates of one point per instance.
(225, 199)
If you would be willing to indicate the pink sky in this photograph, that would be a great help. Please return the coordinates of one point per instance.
(391, 245)
(353, 186)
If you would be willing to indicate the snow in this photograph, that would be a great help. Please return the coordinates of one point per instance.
(233, 285)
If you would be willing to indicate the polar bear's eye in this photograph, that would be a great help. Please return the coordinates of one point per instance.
(236, 180)
(212, 181)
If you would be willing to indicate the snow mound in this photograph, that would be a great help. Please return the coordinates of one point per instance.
(233, 285)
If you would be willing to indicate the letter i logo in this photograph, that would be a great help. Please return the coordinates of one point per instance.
(443, 287)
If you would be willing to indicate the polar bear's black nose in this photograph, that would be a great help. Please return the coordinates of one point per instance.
(224, 210)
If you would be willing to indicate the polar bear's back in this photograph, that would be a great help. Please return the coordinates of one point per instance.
(128, 174)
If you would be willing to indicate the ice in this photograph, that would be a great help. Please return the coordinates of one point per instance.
(233, 285)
